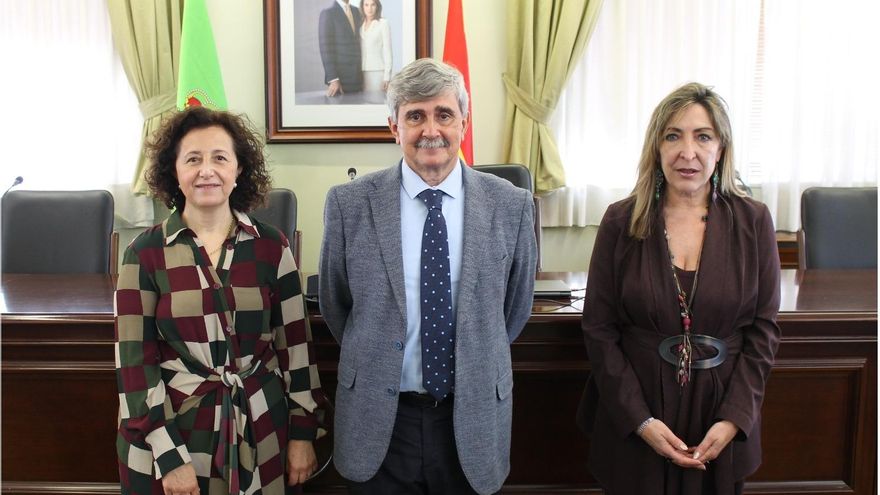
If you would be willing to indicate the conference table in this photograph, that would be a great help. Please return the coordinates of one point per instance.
(59, 398)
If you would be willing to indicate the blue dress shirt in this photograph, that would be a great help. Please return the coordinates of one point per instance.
(412, 221)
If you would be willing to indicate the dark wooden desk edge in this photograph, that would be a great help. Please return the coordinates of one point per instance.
(56, 318)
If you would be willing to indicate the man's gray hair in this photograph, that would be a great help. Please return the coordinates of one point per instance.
(424, 79)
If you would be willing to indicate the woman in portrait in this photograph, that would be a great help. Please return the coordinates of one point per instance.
(680, 314)
(375, 47)
(217, 379)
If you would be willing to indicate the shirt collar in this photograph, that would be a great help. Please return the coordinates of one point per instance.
(413, 184)
(174, 225)
(245, 223)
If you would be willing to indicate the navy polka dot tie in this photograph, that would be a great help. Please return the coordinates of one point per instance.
(438, 323)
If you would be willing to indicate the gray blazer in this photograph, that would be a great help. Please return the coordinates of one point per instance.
(363, 301)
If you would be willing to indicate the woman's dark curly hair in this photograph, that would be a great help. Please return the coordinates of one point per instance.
(253, 181)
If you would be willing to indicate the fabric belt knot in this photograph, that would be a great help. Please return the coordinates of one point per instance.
(231, 379)
(234, 425)
(437, 325)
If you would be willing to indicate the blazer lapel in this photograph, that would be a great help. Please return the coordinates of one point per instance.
(659, 275)
(385, 209)
(717, 284)
(478, 213)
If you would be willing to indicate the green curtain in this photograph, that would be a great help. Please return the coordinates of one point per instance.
(146, 34)
(545, 40)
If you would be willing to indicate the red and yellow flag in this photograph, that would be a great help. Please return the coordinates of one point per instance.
(455, 53)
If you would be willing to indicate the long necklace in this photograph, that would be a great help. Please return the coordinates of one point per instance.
(685, 303)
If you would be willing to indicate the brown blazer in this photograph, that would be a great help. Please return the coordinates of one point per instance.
(631, 305)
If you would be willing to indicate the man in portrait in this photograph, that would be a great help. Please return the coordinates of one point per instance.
(340, 47)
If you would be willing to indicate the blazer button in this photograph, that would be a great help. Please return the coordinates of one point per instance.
(398, 345)
(216, 286)
(391, 391)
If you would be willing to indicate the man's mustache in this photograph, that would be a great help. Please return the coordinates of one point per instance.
(428, 143)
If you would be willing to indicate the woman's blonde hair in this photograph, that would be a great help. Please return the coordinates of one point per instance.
(646, 205)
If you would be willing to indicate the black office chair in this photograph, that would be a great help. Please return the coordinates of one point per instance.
(58, 232)
(280, 212)
(519, 176)
(838, 228)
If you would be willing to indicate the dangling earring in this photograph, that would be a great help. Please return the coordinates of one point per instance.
(715, 185)
(658, 185)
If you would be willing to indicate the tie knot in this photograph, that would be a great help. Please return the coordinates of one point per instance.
(433, 198)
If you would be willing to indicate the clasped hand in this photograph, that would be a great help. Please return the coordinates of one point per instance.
(660, 438)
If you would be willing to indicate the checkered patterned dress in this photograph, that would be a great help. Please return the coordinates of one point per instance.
(214, 366)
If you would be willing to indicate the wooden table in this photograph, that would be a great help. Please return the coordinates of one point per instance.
(59, 394)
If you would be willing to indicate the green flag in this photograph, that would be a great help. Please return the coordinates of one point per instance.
(199, 81)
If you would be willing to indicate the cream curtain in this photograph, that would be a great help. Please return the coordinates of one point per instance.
(545, 41)
(147, 37)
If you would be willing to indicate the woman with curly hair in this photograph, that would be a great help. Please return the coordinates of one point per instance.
(218, 387)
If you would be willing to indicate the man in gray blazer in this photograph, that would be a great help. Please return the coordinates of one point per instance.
(426, 277)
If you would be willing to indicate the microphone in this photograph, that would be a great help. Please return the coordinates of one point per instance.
(352, 173)
(18, 180)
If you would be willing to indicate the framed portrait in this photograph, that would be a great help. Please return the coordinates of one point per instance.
(328, 64)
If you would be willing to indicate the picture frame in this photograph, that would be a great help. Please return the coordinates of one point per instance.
(298, 56)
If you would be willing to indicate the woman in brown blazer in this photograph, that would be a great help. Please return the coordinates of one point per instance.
(680, 314)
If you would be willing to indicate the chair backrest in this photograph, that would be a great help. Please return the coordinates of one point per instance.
(517, 174)
(839, 227)
(57, 232)
(280, 212)
(520, 177)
